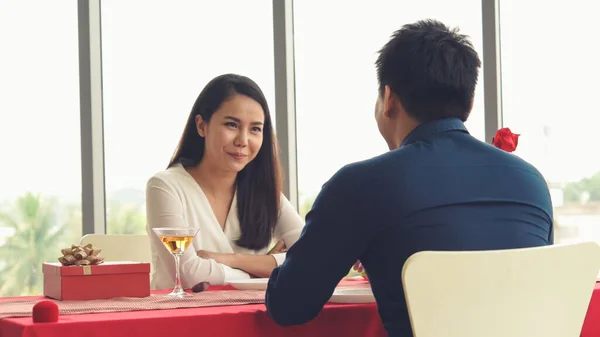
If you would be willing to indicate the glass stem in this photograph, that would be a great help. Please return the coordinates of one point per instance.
(178, 288)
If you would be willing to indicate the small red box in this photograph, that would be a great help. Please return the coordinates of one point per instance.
(107, 280)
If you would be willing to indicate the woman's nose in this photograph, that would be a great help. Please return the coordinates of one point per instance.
(241, 139)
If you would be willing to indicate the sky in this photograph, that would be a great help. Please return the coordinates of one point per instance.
(158, 55)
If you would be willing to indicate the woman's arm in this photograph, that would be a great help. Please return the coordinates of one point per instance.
(288, 228)
(164, 209)
(256, 265)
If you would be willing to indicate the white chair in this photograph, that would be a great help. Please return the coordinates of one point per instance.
(134, 248)
(532, 292)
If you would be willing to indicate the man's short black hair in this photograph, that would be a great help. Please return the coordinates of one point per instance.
(431, 68)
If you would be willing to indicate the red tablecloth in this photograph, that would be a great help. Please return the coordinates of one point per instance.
(591, 325)
(344, 320)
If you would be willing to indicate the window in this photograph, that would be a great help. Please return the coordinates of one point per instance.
(336, 46)
(549, 96)
(153, 72)
(40, 194)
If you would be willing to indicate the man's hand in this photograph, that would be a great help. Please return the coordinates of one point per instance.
(358, 267)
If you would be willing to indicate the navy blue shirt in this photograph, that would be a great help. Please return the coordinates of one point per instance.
(441, 190)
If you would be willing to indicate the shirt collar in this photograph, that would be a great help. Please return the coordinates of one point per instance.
(427, 130)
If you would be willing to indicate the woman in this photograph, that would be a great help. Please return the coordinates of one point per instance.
(225, 179)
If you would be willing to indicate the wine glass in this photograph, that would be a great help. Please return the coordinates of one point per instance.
(176, 240)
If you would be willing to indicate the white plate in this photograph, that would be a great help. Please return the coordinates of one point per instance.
(358, 295)
(251, 284)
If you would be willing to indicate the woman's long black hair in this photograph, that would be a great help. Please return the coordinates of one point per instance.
(259, 183)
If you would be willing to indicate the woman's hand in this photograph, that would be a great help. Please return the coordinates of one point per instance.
(278, 248)
(223, 258)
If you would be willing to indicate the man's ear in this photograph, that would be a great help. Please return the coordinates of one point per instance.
(389, 102)
(200, 126)
(471, 109)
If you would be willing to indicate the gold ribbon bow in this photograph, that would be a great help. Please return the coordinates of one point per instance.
(80, 256)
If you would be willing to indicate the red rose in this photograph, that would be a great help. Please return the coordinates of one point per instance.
(506, 140)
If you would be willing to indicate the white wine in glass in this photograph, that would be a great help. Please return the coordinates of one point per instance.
(176, 240)
(176, 244)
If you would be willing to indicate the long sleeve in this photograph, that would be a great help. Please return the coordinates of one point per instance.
(332, 240)
(164, 209)
(288, 228)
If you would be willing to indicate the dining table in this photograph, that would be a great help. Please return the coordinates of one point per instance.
(591, 323)
(228, 313)
(226, 320)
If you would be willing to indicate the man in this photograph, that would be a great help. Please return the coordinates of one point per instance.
(438, 188)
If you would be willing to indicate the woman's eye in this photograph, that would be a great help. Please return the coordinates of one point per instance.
(256, 129)
(231, 124)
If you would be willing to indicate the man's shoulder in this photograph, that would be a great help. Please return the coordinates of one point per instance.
(408, 162)
(396, 159)
(367, 169)
(511, 160)
(356, 171)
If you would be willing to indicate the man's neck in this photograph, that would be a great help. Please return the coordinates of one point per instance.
(403, 129)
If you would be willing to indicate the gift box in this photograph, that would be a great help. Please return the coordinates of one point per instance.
(102, 281)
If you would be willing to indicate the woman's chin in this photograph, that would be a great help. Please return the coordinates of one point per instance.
(235, 167)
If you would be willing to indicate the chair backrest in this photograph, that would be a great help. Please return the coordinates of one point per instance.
(526, 292)
(134, 248)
